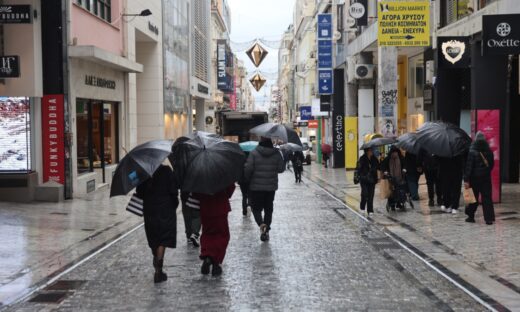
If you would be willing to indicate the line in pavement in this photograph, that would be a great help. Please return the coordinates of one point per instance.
(455, 279)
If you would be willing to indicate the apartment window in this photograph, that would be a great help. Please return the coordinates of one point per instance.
(100, 8)
(484, 3)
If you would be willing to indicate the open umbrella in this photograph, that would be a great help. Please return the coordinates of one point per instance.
(207, 164)
(378, 142)
(326, 148)
(291, 147)
(248, 146)
(408, 142)
(277, 131)
(139, 165)
(443, 139)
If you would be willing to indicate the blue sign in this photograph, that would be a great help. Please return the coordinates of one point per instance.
(325, 54)
(325, 26)
(325, 79)
(305, 112)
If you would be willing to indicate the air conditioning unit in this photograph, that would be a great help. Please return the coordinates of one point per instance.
(364, 71)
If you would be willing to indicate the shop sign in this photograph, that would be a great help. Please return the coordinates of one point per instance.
(153, 28)
(501, 34)
(100, 82)
(325, 54)
(305, 112)
(313, 124)
(454, 52)
(358, 11)
(325, 81)
(222, 82)
(202, 89)
(403, 24)
(325, 101)
(325, 26)
(9, 66)
(15, 14)
(338, 134)
(303, 124)
(316, 108)
(53, 145)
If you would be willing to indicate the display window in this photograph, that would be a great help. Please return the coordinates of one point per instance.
(15, 134)
(97, 134)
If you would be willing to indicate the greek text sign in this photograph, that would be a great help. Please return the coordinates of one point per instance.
(403, 24)
(53, 144)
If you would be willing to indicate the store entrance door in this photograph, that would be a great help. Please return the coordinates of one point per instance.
(97, 135)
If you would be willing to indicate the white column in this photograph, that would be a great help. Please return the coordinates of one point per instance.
(387, 91)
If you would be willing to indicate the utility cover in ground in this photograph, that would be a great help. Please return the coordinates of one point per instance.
(403, 24)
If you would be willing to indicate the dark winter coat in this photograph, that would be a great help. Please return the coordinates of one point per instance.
(428, 161)
(476, 169)
(160, 202)
(297, 159)
(262, 168)
(217, 204)
(366, 169)
(411, 163)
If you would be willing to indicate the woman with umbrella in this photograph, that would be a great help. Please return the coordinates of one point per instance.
(157, 187)
(393, 168)
(159, 195)
(366, 174)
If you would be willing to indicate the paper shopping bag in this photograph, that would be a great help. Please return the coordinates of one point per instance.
(469, 196)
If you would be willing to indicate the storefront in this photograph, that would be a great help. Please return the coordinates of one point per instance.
(97, 109)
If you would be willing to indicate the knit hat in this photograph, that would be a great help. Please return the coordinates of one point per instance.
(480, 136)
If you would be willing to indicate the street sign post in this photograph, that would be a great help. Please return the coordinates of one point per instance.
(325, 81)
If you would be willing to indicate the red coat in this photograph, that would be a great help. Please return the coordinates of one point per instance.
(217, 204)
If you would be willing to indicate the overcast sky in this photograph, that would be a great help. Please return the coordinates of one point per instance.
(266, 19)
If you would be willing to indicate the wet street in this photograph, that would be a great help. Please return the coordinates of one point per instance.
(321, 257)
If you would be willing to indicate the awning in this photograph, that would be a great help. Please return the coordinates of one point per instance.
(105, 58)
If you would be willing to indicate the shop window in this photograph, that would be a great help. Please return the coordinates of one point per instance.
(97, 134)
(100, 8)
(415, 77)
(15, 134)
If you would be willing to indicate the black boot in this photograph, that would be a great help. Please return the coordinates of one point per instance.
(216, 270)
(159, 275)
(206, 264)
(431, 203)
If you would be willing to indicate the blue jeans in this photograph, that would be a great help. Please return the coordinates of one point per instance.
(413, 185)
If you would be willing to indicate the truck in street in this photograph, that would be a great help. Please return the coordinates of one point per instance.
(235, 126)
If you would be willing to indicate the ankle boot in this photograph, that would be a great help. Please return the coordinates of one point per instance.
(159, 275)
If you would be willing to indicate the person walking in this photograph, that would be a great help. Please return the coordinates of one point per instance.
(297, 162)
(159, 194)
(325, 157)
(451, 174)
(477, 175)
(413, 173)
(191, 216)
(366, 174)
(214, 210)
(393, 168)
(261, 170)
(244, 189)
(430, 166)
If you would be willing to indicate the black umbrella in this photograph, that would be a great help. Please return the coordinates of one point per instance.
(377, 142)
(291, 147)
(443, 139)
(277, 131)
(139, 165)
(207, 164)
(408, 142)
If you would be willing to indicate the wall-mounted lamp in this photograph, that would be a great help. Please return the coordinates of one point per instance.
(145, 12)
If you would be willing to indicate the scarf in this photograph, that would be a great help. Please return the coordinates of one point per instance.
(395, 167)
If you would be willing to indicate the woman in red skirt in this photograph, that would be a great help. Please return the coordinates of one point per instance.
(214, 210)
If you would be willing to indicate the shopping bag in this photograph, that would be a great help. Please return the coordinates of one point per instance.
(385, 191)
(135, 205)
(469, 196)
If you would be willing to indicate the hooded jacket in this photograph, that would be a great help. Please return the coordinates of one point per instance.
(262, 168)
(476, 168)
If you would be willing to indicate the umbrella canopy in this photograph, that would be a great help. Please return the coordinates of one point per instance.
(207, 164)
(277, 131)
(408, 142)
(378, 142)
(139, 165)
(248, 146)
(326, 148)
(291, 147)
(443, 139)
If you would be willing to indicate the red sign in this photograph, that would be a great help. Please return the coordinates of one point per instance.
(53, 144)
(313, 124)
(488, 122)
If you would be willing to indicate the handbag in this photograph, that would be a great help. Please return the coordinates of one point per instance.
(135, 205)
(469, 196)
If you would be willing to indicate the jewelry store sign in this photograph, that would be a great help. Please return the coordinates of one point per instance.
(15, 14)
(403, 24)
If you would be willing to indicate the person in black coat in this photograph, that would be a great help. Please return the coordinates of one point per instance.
(159, 194)
(451, 173)
(477, 175)
(366, 174)
(413, 173)
(244, 189)
(430, 166)
(297, 160)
